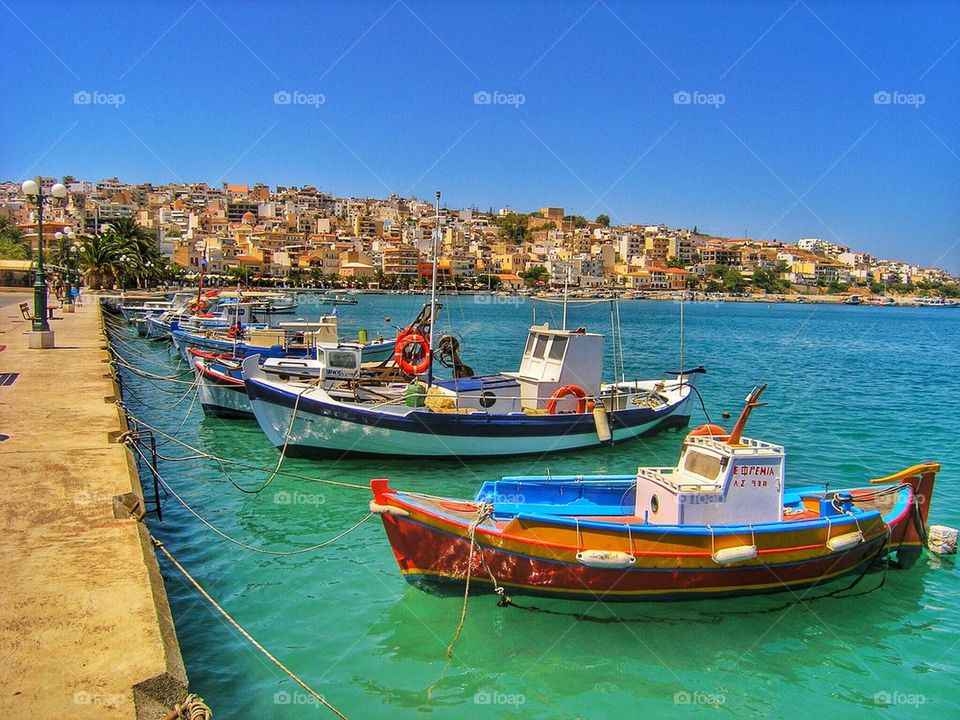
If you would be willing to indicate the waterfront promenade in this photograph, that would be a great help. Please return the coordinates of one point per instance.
(85, 629)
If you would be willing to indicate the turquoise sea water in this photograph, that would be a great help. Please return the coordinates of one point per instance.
(854, 393)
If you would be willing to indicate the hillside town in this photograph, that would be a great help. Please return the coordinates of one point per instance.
(304, 236)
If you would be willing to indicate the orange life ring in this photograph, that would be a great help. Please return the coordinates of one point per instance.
(235, 331)
(198, 306)
(405, 341)
(576, 391)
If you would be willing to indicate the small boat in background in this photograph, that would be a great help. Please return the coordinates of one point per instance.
(939, 302)
(720, 523)
(336, 300)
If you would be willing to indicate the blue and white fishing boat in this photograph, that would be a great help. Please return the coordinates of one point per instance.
(222, 391)
(556, 400)
(295, 338)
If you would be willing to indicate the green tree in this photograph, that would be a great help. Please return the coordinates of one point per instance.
(603, 219)
(491, 281)
(98, 258)
(768, 280)
(674, 262)
(733, 280)
(138, 245)
(13, 245)
(579, 221)
(513, 227)
(535, 274)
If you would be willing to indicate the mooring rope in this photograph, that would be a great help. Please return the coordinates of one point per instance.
(219, 608)
(202, 454)
(119, 360)
(194, 388)
(483, 512)
(225, 536)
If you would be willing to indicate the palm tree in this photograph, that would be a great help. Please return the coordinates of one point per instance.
(139, 246)
(98, 258)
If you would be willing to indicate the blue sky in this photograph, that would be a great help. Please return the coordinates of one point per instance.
(756, 117)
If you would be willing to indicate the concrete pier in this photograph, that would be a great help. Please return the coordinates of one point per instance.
(85, 628)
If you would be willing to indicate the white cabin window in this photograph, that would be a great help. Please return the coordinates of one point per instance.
(541, 347)
(342, 360)
(557, 347)
(706, 466)
(529, 347)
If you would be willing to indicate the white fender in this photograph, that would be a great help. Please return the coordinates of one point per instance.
(612, 559)
(737, 553)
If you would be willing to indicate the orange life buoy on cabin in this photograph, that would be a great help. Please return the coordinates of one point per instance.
(714, 431)
(235, 331)
(198, 306)
(408, 344)
(567, 390)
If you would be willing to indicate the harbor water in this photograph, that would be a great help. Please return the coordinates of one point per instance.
(854, 393)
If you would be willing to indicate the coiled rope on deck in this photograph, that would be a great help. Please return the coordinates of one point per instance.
(219, 608)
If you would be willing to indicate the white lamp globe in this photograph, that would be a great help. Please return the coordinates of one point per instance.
(29, 187)
(59, 190)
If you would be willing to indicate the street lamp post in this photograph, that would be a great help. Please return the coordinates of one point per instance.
(72, 267)
(42, 335)
(65, 239)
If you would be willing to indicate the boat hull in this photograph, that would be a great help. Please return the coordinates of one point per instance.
(539, 555)
(324, 429)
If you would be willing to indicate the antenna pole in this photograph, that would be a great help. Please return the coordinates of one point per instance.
(681, 338)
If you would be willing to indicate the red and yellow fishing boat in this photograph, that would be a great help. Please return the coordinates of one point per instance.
(720, 523)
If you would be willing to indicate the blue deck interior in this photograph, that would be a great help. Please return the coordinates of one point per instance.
(596, 496)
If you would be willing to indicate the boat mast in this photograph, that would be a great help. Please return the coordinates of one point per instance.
(566, 283)
(680, 378)
(433, 291)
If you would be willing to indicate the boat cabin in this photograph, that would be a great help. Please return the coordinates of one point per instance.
(717, 482)
(296, 333)
(551, 359)
(331, 361)
(554, 358)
